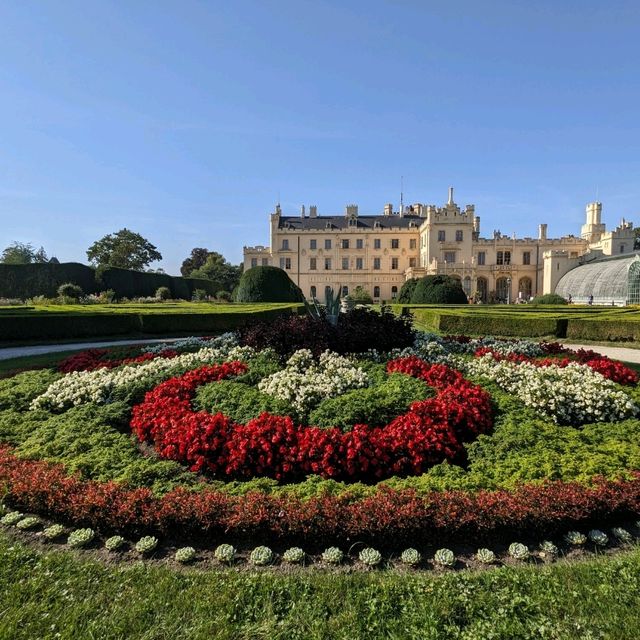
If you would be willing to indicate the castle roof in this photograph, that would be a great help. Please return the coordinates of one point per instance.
(365, 223)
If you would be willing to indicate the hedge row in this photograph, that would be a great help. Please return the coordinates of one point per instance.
(29, 280)
(490, 324)
(62, 325)
(613, 330)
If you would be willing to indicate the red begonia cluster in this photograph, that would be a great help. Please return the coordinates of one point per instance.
(93, 359)
(386, 517)
(610, 369)
(431, 431)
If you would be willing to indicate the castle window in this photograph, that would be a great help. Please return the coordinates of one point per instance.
(327, 244)
(345, 264)
(345, 291)
(376, 292)
(285, 245)
(359, 243)
(395, 243)
(353, 222)
(394, 263)
(313, 244)
(458, 235)
(412, 262)
(313, 291)
(285, 263)
(254, 262)
(312, 264)
(376, 243)
(441, 235)
(359, 264)
(621, 248)
(412, 243)
(265, 262)
(394, 292)
(482, 256)
(327, 264)
(449, 257)
(345, 244)
(503, 257)
(376, 264)
(526, 257)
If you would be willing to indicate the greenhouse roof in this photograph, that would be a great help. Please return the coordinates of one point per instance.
(606, 279)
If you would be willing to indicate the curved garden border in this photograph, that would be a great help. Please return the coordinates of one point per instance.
(431, 431)
(386, 517)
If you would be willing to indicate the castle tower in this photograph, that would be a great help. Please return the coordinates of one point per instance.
(593, 229)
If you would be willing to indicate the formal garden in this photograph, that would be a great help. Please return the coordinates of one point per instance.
(295, 456)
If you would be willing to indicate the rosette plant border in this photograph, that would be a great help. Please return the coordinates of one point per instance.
(431, 431)
(387, 517)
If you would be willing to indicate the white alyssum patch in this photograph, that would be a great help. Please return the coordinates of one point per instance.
(80, 387)
(571, 395)
(305, 382)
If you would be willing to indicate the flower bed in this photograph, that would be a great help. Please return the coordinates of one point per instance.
(539, 442)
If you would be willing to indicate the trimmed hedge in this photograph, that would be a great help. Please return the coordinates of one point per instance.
(438, 289)
(68, 325)
(267, 284)
(43, 279)
(613, 330)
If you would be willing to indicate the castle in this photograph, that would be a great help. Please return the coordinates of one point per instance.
(380, 252)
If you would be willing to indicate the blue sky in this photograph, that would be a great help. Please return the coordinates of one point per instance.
(186, 121)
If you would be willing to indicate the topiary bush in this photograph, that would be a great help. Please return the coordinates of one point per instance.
(439, 289)
(267, 284)
(360, 296)
(294, 555)
(163, 293)
(549, 298)
(407, 289)
(261, 556)
(70, 290)
(223, 295)
(225, 553)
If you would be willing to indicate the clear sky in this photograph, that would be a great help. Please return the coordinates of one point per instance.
(186, 121)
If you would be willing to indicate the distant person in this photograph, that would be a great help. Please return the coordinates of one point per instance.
(569, 299)
(590, 300)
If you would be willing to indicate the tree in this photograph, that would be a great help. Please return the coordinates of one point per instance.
(267, 284)
(40, 256)
(196, 260)
(125, 249)
(18, 253)
(216, 268)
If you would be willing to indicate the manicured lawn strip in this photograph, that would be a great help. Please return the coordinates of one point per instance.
(78, 321)
(57, 594)
(44, 360)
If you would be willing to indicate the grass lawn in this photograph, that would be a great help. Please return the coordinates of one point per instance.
(57, 594)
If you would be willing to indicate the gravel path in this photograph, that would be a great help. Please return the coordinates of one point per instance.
(617, 353)
(37, 350)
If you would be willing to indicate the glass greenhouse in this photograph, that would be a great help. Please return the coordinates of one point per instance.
(609, 280)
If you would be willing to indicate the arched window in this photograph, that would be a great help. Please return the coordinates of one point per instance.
(345, 291)
(466, 286)
(524, 288)
(376, 292)
(502, 290)
(327, 292)
(481, 289)
(313, 292)
(394, 292)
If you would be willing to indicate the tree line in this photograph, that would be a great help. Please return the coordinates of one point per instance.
(127, 249)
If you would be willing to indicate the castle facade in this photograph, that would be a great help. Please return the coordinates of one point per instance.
(380, 252)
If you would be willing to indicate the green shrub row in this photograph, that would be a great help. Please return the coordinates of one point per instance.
(69, 325)
(43, 279)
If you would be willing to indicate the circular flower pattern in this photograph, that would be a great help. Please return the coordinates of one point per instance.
(431, 431)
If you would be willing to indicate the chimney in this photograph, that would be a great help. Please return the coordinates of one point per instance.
(450, 201)
(388, 209)
(476, 224)
(302, 212)
(542, 232)
(313, 211)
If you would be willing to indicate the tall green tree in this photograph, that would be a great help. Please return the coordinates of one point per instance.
(196, 260)
(18, 253)
(216, 268)
(125, 249)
